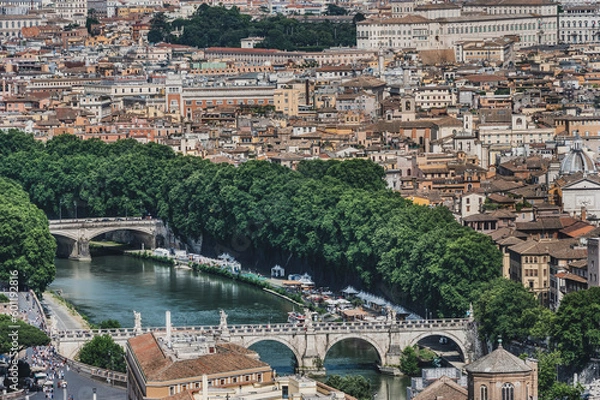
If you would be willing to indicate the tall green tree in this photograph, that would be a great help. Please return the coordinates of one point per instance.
(409, 362)
(576, 327)
(505, 309)
(27, 248)
(103, 352)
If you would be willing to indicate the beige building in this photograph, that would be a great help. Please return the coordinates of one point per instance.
(530, 265)
(499, 50)
(287, 99)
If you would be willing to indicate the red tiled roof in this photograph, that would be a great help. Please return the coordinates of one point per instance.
(156, 366)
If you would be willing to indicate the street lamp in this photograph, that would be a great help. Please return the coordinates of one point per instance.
(60, 203)
(75, 205)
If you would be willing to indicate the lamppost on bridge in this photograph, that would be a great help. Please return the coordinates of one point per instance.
(75, 206)
(60, 203)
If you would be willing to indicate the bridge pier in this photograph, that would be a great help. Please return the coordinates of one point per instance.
(312, 365)
(81, 250)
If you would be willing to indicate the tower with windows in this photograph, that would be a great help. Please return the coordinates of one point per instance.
(502, 376)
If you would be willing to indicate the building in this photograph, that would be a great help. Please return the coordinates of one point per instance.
(158, 368)
(72, 10)
(421, 33)
(579, 24)
(495, 50)
(502, 376)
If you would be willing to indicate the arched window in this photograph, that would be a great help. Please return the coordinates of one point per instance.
(483, 392)
(519, 121)
(407, 105)
(508, 392)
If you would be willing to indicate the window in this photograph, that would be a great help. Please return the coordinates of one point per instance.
(508, 391)
(483, 392)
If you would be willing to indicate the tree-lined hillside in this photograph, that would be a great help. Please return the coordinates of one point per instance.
(336, 217)
(222, 27)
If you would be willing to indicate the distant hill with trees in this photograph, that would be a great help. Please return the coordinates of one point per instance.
(224, 27)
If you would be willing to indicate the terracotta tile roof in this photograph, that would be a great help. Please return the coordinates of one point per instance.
(156, 366)
(443, 388)
(578, 229)
(571, 277)
(499, 361)
(209, 364)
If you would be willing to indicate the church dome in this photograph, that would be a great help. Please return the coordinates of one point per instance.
(577, 160)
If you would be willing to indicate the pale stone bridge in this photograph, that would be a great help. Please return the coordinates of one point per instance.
(309, 344)
(74, 235)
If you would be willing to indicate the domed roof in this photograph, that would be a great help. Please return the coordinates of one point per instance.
(498, 361)
(577, 160)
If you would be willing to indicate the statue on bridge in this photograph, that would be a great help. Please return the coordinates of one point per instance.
(137, 325)
(308, 321)
(391, 314)
(223, 322)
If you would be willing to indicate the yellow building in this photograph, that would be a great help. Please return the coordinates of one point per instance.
(287, 100)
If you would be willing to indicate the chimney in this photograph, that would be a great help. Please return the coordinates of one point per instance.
(583, 214)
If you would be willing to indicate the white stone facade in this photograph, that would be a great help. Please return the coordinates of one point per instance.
(432, 34)
(580, 24)
(11, 25)
(73, 10)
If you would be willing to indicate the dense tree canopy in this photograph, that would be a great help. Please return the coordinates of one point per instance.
(27, 336)
(576, 326)
(335, 217)
(355, 385)
(27, 249)
(224, 27)
(103, 352)
(506, 310)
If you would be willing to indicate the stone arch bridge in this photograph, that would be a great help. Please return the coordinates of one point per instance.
(309, 344)
(74, 235)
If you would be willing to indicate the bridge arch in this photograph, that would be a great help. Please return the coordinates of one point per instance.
(380, 352)
(65, 234)
(100, 231)
(277, 339)
(460, 342)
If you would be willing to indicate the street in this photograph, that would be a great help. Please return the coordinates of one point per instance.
(81, 388)
(65, 318)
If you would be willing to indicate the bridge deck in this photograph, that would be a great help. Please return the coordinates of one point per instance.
(285, 328)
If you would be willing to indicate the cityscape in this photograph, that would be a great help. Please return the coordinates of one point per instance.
(251, 199)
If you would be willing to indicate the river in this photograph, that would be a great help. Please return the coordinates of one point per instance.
(112, 287)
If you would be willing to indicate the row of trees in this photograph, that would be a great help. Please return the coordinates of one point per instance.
(222, 27)
(334, 217)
